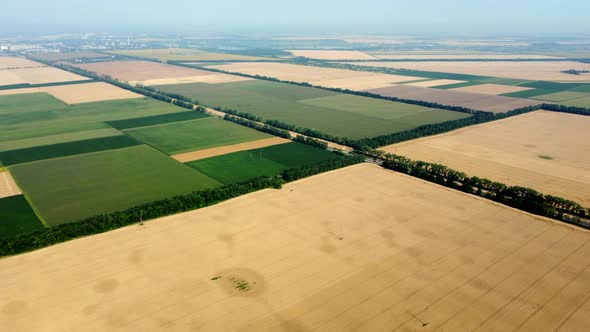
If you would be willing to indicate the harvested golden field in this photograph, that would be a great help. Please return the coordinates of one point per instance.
(221, 150)
(477, 101)
(140, 70)
(360, 248)
(79, 93)
(433, 83)
(328, 77)
(541, 150)
(184, 54)
(89, 92)
(37, 75)
(491, 89)
(534, 70)
(331, 55)
(14, 62)
(7, 185)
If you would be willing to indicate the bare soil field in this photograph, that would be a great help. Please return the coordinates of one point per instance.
(328, 77)
(536, 70)
(541, 150)
(491, 89)
(7, 185)
(360, 248)
(14, 62)
(496, 104)
(140, 70)
(89, 92)
(218, 151)
(331, 55)
(433, 83)
(79, 93)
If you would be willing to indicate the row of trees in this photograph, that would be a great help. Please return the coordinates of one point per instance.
(106, 222)
(311, 141)
(257, 126)
(566, 109)
(521, 198)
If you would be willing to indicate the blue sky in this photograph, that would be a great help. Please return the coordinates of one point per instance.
(409, 16)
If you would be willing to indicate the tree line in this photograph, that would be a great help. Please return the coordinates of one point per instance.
(521, 198)
(177, 204)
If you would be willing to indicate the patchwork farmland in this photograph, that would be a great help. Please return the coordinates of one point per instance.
(179, 54)
(540, 150)
(245, 244)
(533, 70)
(476, 101)
(75, 150)
(363, 259)
(333, 113)
(73, 188)
(319, 76)
(152, 73)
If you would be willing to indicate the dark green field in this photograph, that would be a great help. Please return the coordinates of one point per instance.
(65, 149)
(156, 120)
(195, 135)
(333, 113)
(269, 161)
(17, 217)
(29, 116)
(72, 188)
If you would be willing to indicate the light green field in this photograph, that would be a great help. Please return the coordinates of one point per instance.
(195, 135)
(29, 116)
(183, 54)
(332, 113)
(73, 188)
(563, 96)
(582, 102)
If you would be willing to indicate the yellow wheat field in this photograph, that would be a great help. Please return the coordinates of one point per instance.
(360, 248)
(541, 150)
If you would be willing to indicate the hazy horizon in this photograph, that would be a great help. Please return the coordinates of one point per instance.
(431, 17)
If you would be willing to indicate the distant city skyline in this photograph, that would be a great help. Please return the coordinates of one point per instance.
(458, 17)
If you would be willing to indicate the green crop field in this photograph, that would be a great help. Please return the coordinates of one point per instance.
(65, 149)
(57, 139)
(581, 102)
(195, 135)
(17, 217)
(333, 113)
(29, 116)
(72, 188)
(563, 96)
(269, 161)
(156, 120)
